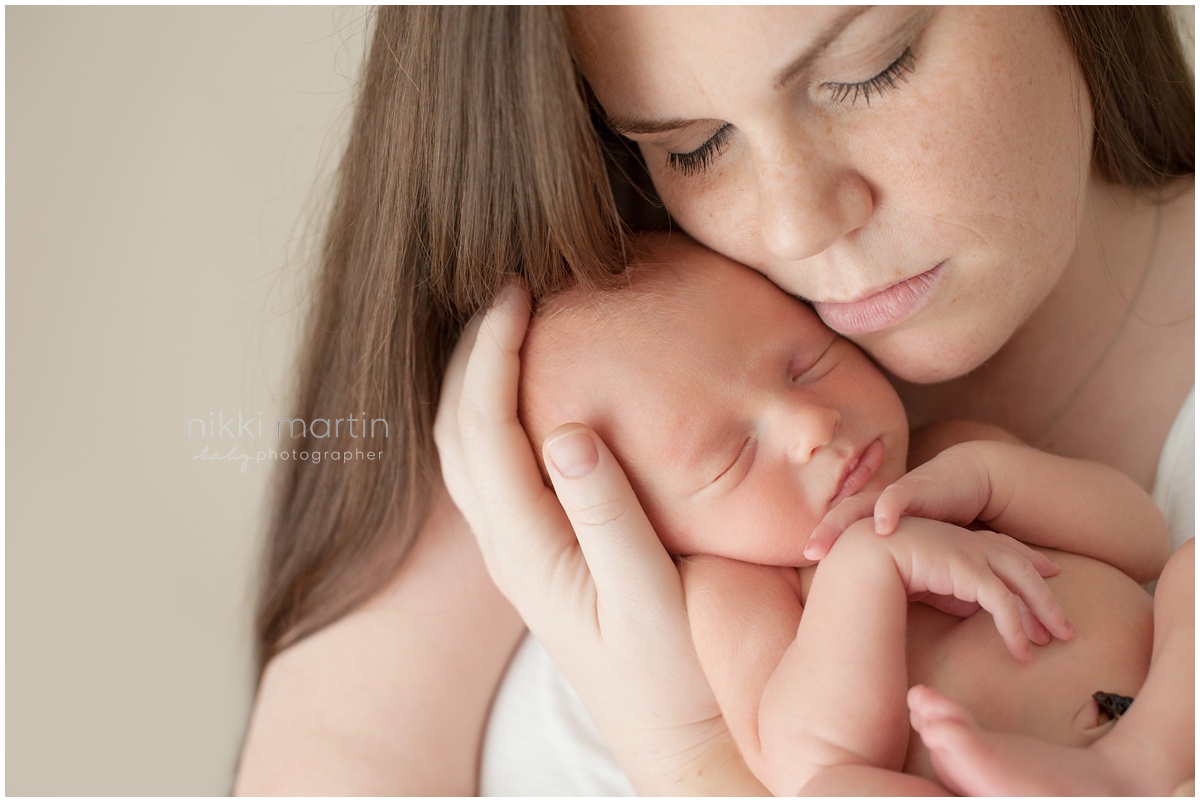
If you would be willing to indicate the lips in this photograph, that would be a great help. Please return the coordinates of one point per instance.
(882, 309)
(859, 471)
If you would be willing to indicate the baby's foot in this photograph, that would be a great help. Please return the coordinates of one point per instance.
(974, 762)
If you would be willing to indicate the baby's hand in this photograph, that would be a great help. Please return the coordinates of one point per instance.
(952, 487)
(846, 512)
(1005, 577)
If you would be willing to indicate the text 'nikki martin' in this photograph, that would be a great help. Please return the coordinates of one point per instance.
(219, 425)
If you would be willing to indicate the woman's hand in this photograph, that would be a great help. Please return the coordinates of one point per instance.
(584, 568)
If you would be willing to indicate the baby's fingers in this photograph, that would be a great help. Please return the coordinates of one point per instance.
(846, 512)
(947, 488)
(1034, 629)
(1040, 562)
(1023, 579)
(893, 502)
(1000, 601)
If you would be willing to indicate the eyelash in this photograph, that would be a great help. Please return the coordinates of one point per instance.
(821, 365)
(700, 159)
(742, 453)
(883, 82)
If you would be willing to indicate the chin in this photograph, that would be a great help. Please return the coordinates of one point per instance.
(927, 374)
(921, 359)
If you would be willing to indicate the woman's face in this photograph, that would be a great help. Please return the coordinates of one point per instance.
(917, 174)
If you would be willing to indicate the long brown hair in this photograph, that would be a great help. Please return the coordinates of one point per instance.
(474, 153)
(471, 155)
(1143, 93)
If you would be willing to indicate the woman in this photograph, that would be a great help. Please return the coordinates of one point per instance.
(951, 188)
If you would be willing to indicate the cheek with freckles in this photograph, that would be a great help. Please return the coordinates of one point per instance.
(1005, 158)
(1008, 169)
(980, 158)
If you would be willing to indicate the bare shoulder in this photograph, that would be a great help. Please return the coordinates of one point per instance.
(392, 698)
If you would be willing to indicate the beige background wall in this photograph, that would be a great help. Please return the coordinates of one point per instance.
(160, 167)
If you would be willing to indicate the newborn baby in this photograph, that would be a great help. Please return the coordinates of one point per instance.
(745, 425)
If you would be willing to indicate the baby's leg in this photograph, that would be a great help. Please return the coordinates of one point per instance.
(1150, 751)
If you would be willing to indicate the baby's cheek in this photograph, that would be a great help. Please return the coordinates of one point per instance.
(677, 534)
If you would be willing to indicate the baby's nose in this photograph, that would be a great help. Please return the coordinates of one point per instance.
(811, 427)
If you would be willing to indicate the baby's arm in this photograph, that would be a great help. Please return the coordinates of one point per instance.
(743, 618)
(1149, 751)
(782, 678)
(1067, 504)
(837, 696)
(806, 693)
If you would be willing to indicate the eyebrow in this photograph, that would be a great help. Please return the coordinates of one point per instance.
(810, 54)
(629, 124)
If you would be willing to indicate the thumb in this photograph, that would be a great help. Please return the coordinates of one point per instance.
(622, 550)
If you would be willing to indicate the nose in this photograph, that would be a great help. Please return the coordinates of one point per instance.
(808, 199)
(807, 427)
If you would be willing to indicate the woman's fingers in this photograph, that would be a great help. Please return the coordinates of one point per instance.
(446, 431)
(524, 537)
(607, 603)
(497, 452)
(530, 538)
(623, 552)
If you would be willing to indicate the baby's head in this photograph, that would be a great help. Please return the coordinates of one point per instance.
(739, 418)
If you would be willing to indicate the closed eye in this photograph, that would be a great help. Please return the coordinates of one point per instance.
(699, 160)
(740, 465)
(803, 368)
(877, 85)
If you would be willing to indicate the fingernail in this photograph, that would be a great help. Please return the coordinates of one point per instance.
(506, 293)
(573, 454)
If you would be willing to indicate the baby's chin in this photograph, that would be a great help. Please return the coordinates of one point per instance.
(791, 556)
(773, 541)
